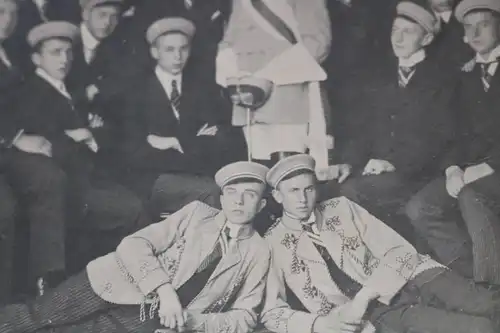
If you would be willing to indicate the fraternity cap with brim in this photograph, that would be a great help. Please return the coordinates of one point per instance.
(53, 29)
(421, 15)
(240, 170)
(86, 4)
(288, 165)
(170, 24)
(466, 6)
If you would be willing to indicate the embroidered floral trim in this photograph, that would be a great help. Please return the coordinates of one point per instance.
(218, 305)
(278, 320)
(271, 228)
(290, 242)
(333, 203)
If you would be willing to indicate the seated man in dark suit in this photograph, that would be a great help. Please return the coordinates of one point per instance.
(458, 212)
(173, 124)
(406, 122)
(46, 108)
(40, 201)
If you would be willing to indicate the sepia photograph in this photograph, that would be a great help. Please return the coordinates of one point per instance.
(249, 166)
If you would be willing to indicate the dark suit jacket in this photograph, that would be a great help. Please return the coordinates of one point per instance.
(10, 81)
(449, 48)
(410, 127)
(147, 110)
(478, 121)
(42, 110)
(208, 32)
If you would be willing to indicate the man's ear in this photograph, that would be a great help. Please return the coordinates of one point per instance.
(427, 40)
(154, 52)
(262, 204)
(277, 196)
(85, 15)
(35, 58)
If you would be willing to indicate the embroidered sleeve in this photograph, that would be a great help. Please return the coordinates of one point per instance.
(138, 253)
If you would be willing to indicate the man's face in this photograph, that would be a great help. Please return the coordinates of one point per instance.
(297, 195)
(407, 37)
(8, 18)
(55, 56)
(481, 31)
(102, 20)
(172, 51)
(241, 202)
(441, 5)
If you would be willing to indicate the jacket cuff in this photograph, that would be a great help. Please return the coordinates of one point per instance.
(153, 280)
(451, 169)
(388, 282)
(301, 322)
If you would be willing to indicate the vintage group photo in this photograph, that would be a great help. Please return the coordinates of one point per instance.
(241, 166)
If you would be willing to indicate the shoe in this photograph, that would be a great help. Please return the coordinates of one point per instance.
(48, 281)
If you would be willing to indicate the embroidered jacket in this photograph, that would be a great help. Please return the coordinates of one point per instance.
(362, 246)
(170, 252)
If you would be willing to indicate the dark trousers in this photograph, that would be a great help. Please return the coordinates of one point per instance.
(7, 236)
(172, 191)
(384, 196)
(41, 187)
(73, 307)
(444, 302)
(463, 233)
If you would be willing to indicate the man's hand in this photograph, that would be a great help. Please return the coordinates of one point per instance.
(454, 181)
(91, 92)
(206, 130)
(342, 319)
(339, 172)
(79, 134)
(34, 144)
(95, 121)
(170, 312)
(476, 172)
(376, 167)
(164, 143)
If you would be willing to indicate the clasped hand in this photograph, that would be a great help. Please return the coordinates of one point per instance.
(164, 143)
(376, 167)
(170, 312)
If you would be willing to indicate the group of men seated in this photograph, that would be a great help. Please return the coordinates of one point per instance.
(97, 147)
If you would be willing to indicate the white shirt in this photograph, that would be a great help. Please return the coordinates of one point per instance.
(4, 58)
(166, 79)
(57, 84)
(89, 43)
(445, 16)
(41, 5)
(411, 61)
(494, 55)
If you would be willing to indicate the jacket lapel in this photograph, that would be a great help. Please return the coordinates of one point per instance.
(233, 255)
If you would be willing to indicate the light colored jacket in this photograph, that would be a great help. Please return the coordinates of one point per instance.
(362, 246)
(171, 251)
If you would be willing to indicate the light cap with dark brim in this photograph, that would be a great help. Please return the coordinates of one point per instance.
(241, 170)
(169, 25)
(465, 6)
(89, 4)
(289, 165)
(53, 29)
(419, 14)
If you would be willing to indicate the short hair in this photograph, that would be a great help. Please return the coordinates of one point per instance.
(245, 180)
(37, 48)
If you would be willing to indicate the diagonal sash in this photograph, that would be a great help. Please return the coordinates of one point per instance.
(275, 21)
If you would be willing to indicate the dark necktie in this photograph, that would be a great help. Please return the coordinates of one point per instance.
(192, 287)
(404, 74)
(175, 96)
(347, 285)
(485, 75)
